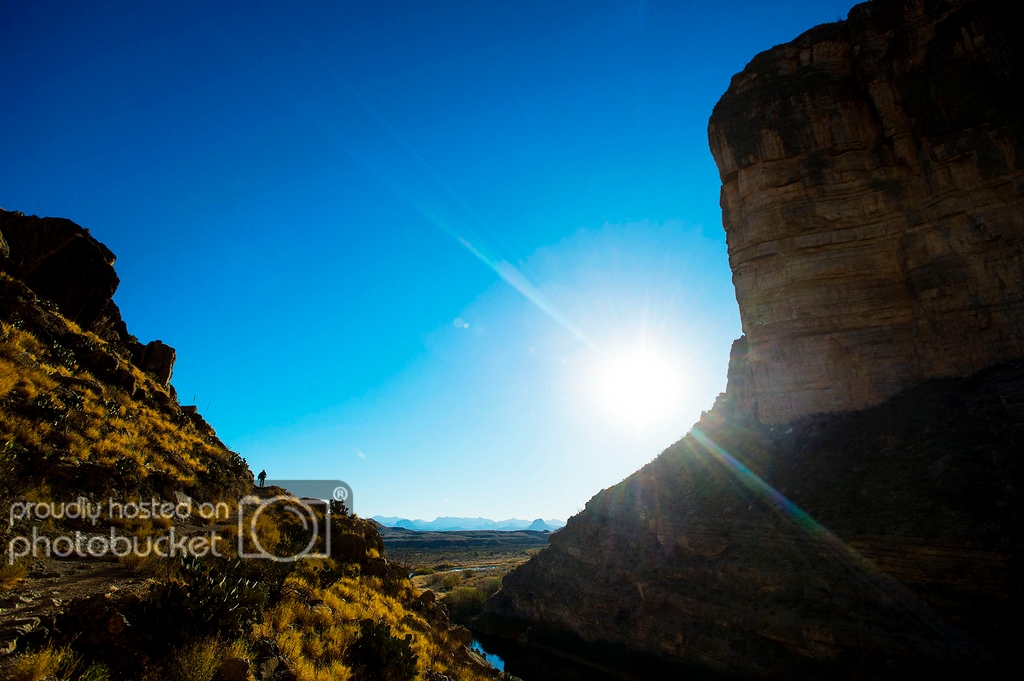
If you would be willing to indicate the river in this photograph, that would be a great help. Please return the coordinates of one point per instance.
(612, 664)
(531, 664)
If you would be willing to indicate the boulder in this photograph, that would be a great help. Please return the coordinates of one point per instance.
(61, 262)
(233, 669)
(157, 359)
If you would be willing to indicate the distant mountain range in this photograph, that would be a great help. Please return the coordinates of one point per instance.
(461, 524)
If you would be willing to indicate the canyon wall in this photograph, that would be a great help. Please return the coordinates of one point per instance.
(872, 181)
(872, 184)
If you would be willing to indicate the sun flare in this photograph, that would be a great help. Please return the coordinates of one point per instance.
(638, 387)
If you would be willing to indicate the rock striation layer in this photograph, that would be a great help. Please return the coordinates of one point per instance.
(873, 201)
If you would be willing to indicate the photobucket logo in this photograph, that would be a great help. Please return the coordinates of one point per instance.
(97, 546)
(303, 517)
(83, 509)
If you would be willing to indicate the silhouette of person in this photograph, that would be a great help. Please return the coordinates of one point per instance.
(262, 477)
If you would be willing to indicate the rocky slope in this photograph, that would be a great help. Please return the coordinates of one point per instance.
(85, 408)
(62, 264)
(872, 179)
(88, 416)
(871, 197)
(863, 545)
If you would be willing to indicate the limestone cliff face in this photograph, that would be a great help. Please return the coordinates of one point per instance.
(873, 174)
(873, 201)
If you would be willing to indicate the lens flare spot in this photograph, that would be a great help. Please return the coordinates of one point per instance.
(638, 387)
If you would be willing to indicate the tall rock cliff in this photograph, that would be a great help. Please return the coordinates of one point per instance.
(873, 202)
(872, 184)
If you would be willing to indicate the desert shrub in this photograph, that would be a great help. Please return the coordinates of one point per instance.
(489, 587)
(377, 655)
(395, 581)
(197, 660)
(464, 603)
(209, 599)
(10, 482)
(47, 663)
(339, 508)
(148, 565)
(317, 628)
(423, 571)
(451, 580)
(282, 528)
(96, 672)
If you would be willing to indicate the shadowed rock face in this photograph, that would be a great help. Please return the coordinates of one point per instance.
(60, 262)
(873, 174)
(879, 544)
(63, 264)
(157, 358)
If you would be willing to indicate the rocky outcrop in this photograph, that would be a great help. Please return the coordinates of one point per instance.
(157, 359)
(62, 264)
(873, 201)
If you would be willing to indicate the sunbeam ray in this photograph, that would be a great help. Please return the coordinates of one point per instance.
(859, 567)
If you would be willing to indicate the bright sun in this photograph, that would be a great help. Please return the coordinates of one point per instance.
(638, 387)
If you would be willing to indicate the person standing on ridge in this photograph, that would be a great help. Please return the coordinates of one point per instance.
(262, 476)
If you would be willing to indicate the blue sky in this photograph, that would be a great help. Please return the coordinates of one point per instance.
(466, 256)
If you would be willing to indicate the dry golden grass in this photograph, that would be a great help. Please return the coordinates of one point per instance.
(9, 376)
(315, 626)
(70, 430)
(52, 407)
(12, 574)
(150, 565)
(197, 661)
(46, 664)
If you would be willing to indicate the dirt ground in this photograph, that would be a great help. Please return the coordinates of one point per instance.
(29, 610)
